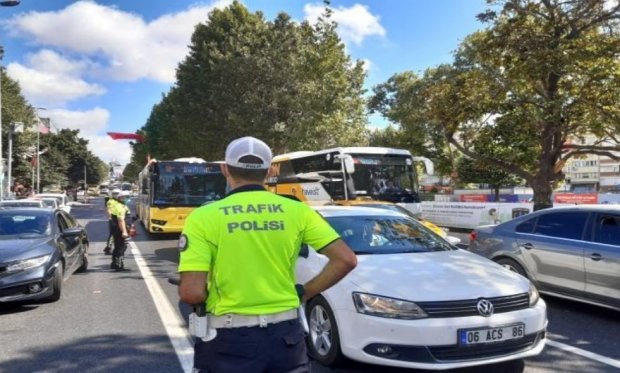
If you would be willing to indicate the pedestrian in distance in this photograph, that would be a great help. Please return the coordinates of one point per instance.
(237, 257)
(119, 213)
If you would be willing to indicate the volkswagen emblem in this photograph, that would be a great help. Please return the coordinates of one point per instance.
(485, 307)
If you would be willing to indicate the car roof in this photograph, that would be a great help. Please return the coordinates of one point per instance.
(334, 211)
(20, 201)
(38, 210)
(584, 207)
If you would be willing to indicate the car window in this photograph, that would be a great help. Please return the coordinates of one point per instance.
(386, 235)
(562, 224)
(69, 220)
(24, 223)
(62, 223)
(527, 226)
(607, 229)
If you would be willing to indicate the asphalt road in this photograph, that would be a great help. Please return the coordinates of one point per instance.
(132, 321)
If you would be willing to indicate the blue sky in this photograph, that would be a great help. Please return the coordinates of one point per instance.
(100, 66)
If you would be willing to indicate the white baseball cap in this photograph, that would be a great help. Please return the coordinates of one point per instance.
(248, 146)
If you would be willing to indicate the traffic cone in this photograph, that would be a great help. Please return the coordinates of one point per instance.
(132, 231)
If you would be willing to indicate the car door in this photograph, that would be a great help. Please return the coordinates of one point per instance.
(554, 251)
(72, 244)
(602, 259)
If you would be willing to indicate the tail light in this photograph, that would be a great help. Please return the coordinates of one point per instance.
(473, 235)
(132, 231)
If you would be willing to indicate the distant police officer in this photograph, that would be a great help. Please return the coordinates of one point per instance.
(109, 203)
(119, 212)
(238, 254)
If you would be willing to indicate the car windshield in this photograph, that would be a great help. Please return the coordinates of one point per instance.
(57, 198)
(49, 203)
(24, 223)
(396, 208)
(386, 235)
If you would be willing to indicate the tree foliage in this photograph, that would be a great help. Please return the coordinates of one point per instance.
(289, 83)
(531, 86)
(472, 171)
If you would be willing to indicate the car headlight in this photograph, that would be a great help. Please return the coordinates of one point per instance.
(23, 265)
(534, 296)
(376, 305)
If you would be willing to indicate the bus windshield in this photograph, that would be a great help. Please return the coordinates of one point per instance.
(188, 184)
(385, 177)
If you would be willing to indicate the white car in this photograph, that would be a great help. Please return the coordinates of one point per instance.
(63, 201)
(416, 301)
(49, 202)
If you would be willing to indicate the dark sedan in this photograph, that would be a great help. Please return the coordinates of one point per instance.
(39, 248)
(571, 252)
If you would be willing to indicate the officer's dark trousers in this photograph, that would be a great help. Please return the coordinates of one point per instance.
(278, 348)
(120, 246)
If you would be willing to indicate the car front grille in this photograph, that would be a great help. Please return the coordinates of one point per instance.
(455, 353)
(461, 308)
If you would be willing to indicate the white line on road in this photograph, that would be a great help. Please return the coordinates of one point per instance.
(587, 354)
(175, 326)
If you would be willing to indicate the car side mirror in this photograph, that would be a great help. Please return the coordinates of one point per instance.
(72, 232)
(304, 252)
(453, 240)
(349, 166)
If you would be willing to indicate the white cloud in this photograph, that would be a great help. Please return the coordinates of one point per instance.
(91, 124)
(355, 23)
(52, 80)
(129, 47)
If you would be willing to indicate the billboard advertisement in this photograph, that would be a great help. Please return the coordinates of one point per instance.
(472, 214)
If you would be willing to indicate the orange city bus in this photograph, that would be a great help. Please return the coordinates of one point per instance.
(170, 190)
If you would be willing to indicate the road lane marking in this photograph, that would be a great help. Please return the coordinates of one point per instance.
(587, 354)
(174, 324)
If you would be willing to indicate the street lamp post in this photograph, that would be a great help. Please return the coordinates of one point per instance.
(13, 127)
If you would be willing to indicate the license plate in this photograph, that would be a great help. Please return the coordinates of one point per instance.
(468, 337)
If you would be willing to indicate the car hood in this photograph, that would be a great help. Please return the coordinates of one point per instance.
(24, 248)
(435, 276)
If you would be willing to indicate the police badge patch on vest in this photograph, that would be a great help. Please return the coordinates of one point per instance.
(182, 245)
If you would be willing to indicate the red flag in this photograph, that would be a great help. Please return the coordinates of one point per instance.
(44, 125)
(126, 136)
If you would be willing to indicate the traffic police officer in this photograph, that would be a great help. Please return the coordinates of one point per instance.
(238, 254)
(119, 212)
(109, 203)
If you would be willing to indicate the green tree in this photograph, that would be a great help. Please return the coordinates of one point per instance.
(472, 171)
(289, 83)
(541, 77)
(15, 109)
(68, 160)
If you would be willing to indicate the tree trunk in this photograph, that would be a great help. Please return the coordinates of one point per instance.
(542, 195)
(496, 189)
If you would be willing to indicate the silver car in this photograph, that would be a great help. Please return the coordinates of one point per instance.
(571, 252)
